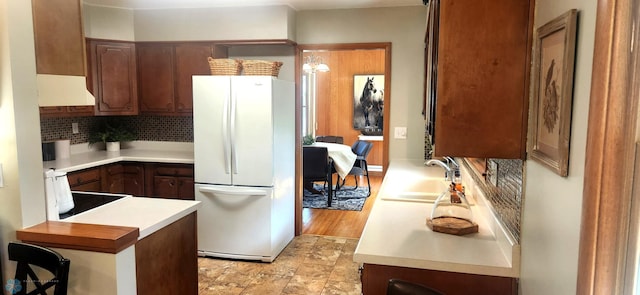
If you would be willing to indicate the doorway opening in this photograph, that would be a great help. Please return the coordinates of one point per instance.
(328, 101)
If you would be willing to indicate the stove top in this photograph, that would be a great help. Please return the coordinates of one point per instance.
(85, 201)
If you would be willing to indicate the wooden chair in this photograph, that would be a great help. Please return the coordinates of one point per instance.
(317, 166)
(27, 255)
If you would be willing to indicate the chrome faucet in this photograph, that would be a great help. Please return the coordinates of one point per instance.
(453, 165)
(451, 162)
(452, 168)
(448, 175)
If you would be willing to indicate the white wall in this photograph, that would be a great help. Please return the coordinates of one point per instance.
(246, 23)
(404, 27)
(108, 23)
(283, 53)
(553, 204)
(22, 197)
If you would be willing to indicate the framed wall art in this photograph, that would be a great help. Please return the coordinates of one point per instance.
(552, 84)
(368, 102)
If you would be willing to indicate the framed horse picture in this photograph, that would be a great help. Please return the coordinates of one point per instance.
(368, 102)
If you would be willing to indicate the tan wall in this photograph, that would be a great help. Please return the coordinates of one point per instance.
(552, 204)
(22, 197)
(404, 27)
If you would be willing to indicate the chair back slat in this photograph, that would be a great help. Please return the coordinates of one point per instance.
(27, 255)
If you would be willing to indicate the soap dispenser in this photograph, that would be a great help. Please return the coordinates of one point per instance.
(452, 213)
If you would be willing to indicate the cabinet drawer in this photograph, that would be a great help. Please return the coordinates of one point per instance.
(94, 186)
(174, 171)
(83, 176)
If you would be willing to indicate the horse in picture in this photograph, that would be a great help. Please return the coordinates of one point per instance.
(372, 103)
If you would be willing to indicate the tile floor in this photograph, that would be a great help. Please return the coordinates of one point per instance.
(308, 265)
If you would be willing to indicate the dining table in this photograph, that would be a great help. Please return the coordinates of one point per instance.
(342, 156)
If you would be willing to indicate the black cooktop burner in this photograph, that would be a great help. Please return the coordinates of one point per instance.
(88, 201)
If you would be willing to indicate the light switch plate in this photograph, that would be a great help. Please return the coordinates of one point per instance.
(74, 128)
(400, 133)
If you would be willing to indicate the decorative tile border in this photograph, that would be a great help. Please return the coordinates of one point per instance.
(148, 128)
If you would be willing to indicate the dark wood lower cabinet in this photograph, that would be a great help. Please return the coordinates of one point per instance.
(133, 179)
(87, 180)
(167, 260)
(174, 181)
(376, 277)
(112, 179)
(123, 178)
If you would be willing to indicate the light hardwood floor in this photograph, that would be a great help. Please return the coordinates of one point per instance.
(341, 223)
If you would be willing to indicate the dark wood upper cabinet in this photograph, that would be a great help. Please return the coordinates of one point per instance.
(191, 59)
(165, 71)
(156, 78)
(59, 37)
(112, 77)
(483, 59)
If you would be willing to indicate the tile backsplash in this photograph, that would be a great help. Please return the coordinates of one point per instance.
(148, 128)
(506, 195)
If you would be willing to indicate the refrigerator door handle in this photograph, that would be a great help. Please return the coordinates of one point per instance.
(243, 192)
(225, 136)
(234, 156)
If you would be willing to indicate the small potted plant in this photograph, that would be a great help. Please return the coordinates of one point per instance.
(308, 140)
(111, 131)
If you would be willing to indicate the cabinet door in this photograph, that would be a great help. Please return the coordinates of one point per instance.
(483, 78)
(112, 179)
(59, 38)
(174, 181)
(165, 187)
(186, 188)
(156, 78)
(114, 78)
(191, 59)
(133, 179)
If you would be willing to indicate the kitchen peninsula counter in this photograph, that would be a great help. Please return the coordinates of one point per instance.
(134, 245)
(397, 242)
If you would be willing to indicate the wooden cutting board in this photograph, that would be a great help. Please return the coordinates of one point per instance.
(452, 225)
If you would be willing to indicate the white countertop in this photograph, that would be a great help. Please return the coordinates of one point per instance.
(138, 152)
(396, 233)
(147, 214)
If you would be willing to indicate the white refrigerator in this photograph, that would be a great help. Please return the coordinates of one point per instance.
(244, 149)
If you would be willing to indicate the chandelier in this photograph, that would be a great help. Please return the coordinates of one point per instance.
(314, 63)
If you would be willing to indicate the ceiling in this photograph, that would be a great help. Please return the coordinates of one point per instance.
(295, 4)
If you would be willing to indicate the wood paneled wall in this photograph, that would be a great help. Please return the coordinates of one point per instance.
(334, 105)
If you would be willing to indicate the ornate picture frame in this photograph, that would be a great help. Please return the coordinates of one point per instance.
(552, 95)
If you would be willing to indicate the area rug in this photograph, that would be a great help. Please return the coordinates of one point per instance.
(346, 198)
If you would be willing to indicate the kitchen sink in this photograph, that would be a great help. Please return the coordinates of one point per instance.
(425, 190)
(422, 190)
